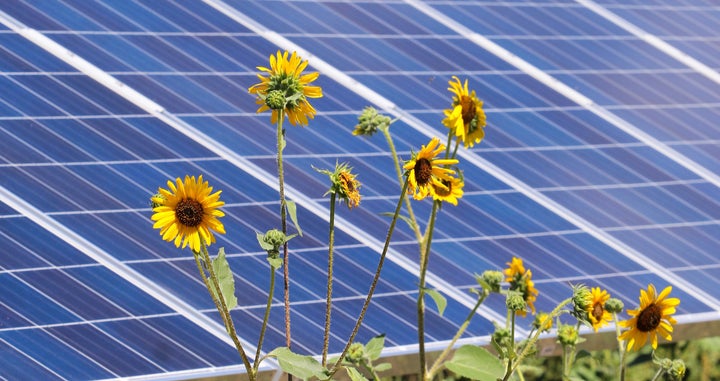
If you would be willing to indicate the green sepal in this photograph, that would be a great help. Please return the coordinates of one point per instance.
(354, 374)
(275, 263)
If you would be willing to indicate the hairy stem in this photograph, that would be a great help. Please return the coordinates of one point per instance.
(398, 169)
(424, 259)
(283, 223)
(328, 302)
(266, 318)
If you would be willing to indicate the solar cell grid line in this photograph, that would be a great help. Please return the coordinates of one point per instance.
(317, 65)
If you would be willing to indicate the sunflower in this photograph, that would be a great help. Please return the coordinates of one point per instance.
(285, 79)
(521, 280)
(597, 314)
(450, 192)
(426, 172)
(343, 184)
(650, 319)
(466, 118)
(187, 213)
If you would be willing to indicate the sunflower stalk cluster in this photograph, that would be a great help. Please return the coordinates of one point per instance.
(187, 213)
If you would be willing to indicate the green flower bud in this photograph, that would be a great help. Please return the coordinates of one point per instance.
(491, 280)
(542, 322)
(677, 370)
(355, 353)
(614, 305)
(370, 121)
(515, 301)
(568, 335)
(275, 99)
(273, 239)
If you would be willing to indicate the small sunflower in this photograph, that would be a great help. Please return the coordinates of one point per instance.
(426, 172)
(286, 88)
(466, 119)
(653, 317)
(343, 184)
(187, 212)
(521, 280)
(597, 314)
(450, 192)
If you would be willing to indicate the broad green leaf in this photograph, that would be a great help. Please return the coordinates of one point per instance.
(382, 367)
(225, 279)
(374, 347)
(276, 263)
(304, 367)
(355, 374)
(439, 299)
(292, 211)
(582, 353)
(476, 363)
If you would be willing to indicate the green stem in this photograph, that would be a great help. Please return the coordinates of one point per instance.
(424, 259)
(398, 169)
(266, 318)
(370, 293)
(621, 347)
(437, 365)
(219, 300)
(283, 223)
(511, 350)
(531, 342)
(328, 302)
(657, 375)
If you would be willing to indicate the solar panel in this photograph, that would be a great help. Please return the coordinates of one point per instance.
(600, 166)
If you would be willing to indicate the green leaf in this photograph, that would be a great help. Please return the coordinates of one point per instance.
(276, 263)
(582, 353)
(292, 211)
(355, 374)
(475, 363)
(374, 347)
(225, 279)
(264, 245)
(439, 299)
(382, 367)
(304, 367)
(407, 219)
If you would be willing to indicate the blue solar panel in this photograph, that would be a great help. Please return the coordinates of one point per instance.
(615, 181)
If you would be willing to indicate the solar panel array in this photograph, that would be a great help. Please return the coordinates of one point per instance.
(601, 165)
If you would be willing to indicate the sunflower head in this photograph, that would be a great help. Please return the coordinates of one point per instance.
(426, 172)
(653, 317)
(521, 281)
(343, 184)
(448, 190)
(581, 298)
(285, 89)
(598, 314)
(465, 118)
(542, 322)
(187, 212)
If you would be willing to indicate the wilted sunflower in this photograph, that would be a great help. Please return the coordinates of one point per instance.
(650, 319)
(286, 88)
(343, 184)
(425, 172)
(521, 280)
(597, 314)
(466, 119)
(187, 212)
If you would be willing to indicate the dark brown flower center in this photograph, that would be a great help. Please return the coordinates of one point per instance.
(468, 110)
(189, 212)
(423, 171)
(597, 311)
(649, 318)
(444, 192)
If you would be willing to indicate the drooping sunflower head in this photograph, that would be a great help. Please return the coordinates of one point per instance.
(598, 315)
(425, 171)
(465, 118)
(521, 281)
(286, 89)
(187, 212)
(653, 317)
(344, 184)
